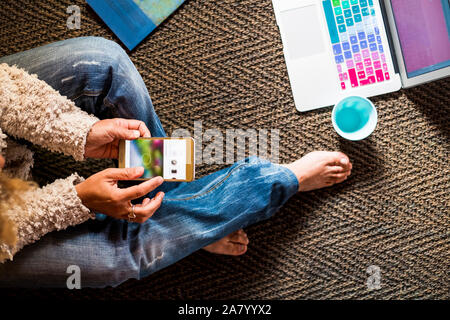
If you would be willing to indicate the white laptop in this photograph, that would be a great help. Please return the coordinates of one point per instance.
(338, 48)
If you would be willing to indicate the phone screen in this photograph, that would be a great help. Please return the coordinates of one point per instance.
(159, 157)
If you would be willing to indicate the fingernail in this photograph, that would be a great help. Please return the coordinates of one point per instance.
(136, 134)
(344, 161)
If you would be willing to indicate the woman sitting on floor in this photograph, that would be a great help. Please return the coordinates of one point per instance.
(109, 102)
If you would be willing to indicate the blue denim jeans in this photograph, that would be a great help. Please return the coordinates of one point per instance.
(99, 76)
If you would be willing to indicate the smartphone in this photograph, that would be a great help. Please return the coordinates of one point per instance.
(171, 158)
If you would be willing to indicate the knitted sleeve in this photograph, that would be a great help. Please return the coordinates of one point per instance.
(43, 210)
(32, 110)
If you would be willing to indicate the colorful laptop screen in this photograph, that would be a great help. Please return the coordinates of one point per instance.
(424, 31)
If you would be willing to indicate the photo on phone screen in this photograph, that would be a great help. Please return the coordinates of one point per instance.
(170, 158)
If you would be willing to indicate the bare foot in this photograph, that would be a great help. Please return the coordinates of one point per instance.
(233, 244)
(320, 169)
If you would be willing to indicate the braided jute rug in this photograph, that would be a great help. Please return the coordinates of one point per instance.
(221, 62)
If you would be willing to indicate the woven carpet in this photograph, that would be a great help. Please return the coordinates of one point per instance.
(222, 62)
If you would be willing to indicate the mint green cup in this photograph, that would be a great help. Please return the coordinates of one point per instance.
(354, 118)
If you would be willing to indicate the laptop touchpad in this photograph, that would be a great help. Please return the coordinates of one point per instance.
(302, 29)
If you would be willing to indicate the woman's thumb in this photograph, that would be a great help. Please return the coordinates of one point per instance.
(124, 173)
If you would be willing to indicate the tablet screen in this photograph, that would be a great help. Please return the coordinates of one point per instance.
(423, 28)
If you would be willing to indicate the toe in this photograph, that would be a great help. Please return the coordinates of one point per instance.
(338, 176)
(234, 244)
(342, 160)
(235, 249)
(341, 180)
(239, 237)
(336, 169)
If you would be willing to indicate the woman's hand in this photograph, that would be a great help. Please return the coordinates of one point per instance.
(2, 162)
(103, 139)
(100, 193)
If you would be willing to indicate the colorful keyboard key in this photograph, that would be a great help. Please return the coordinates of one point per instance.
(371, 79)
(386, 76)
(343, 85)
(361, 35)
(363, 3)
(369, 71)
(377, 64)
(342, 28)
(349, 22)
(375, 55)
(367, 62)
(347, 13)
(347, 55)
(340, 19)
(380, 75)
(332, 30)
(355, 48)
(336, 3)
(353, 40)
(339, 59)
(350, 64)
(345, 4)
(365, 53)
(353, 2)
(373, 47)
(353, 78)
(359, 66)
(363, 44)
(361, 74)
(355, 9)
(345, 45)
(365, 12)
(337, 48)
(385, 67)
(357, 18)
(371, 38)
(364, 82)
(358, 57)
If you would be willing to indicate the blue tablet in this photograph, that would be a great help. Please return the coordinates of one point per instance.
(133, 20)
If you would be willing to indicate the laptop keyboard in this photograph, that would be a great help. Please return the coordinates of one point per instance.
(356, 41)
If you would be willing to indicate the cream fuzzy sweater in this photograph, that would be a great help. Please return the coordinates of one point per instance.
(30, 109)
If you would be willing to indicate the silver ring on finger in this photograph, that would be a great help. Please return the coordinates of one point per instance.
(132, 214)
